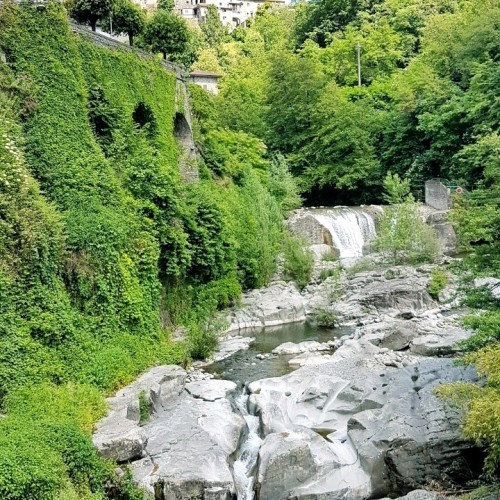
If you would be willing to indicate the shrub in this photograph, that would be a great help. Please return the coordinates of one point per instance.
(29, 466)
(437, 283)
(329, 257)
(143, 408)
(360, 266)
(329, 273)
(325, 317)
(403, 236)
(298, 262)
(203, 337)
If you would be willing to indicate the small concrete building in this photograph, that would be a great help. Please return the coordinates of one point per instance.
(205, 79)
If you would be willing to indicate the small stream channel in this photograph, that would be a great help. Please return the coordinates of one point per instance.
(247, 366)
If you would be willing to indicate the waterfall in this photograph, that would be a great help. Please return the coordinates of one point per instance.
(350, 229)
(243, 467)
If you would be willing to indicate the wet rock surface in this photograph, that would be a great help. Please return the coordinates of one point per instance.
(277, 304)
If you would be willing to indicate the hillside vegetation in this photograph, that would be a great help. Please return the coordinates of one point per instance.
(103, 249)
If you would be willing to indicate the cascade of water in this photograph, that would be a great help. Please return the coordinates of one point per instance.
(351, 229)
(243, 467)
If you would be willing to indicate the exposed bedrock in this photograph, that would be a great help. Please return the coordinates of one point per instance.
(182, 451)
(356, 428)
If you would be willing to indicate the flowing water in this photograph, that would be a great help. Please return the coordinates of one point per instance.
(246, 462)
(351, 229)
(245, 367)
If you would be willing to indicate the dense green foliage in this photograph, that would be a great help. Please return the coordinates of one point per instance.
(103, 249)
(166, 33)
(426, 106)
(298, 261)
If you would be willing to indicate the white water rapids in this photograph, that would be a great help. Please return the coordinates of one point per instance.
(243, 467)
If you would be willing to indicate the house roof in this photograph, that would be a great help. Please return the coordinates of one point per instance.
(199, 72)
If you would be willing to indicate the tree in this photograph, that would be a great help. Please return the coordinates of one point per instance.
(128, 18)
(166, 5)
(90, 11)
(167, 33)
(319, 19)
(213, 30)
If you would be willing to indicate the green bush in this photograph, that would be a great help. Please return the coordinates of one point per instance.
(330, 273)
(143, 408)
(203, 337)
(298, 261)
(403, 237)
(360, 266)
(102, 246)
(29, 466)
(325, 317)
(437, 283)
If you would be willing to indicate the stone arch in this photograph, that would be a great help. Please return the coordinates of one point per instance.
(182, 130)
(144, 118)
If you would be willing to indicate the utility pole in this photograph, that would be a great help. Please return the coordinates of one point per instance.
(359, 63)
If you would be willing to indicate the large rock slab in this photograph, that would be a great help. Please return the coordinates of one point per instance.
(306, 346)
(278, 304)
(118, 435)
(405, 295)
(414, 438)
(183, 451)
(188, 450)
(366, 406)
(441, 343)
(210, 390)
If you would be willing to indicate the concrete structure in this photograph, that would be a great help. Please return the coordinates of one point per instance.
(205, 79)
(182, 121)
(437, 195)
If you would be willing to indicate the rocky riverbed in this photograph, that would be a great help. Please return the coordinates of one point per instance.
(356, 417)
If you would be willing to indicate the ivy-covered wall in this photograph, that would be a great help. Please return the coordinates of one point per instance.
(103, 249)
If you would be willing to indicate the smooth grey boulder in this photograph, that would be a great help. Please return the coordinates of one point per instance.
(230, 346)
(441, 343)
(188, 450)
(414, 439)
(399, 295)
(421, 495)
(210, 390)
(310, 407)
(285, 461)
(183, 451)
(492, 284)
(302, 464)
(395, 334)
(277, 304)
(309, 359)
(118, 435)
(306, 346)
